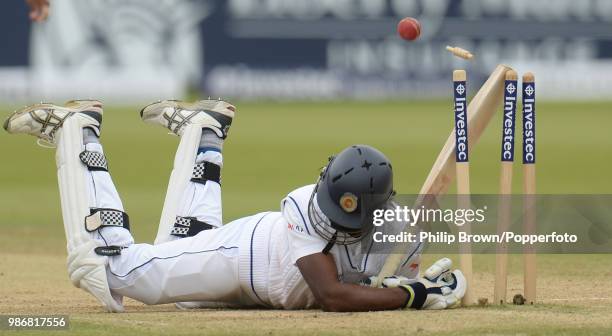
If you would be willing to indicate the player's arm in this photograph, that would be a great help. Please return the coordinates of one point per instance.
(319, 271)
(39, 9)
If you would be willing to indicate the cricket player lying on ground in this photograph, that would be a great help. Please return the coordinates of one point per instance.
(307, 255)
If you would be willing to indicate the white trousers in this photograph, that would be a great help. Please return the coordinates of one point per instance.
(199, 268)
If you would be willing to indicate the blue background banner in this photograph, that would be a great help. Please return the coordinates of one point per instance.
(306, 49)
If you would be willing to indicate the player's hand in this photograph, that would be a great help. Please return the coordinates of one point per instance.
(39, 10)
(443, 288)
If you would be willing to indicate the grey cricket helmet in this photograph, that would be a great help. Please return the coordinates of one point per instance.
(355, 183)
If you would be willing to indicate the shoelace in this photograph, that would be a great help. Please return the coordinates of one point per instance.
(44, 143)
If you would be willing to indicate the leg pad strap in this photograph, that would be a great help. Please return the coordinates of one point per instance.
(94, 161)
(100, 218)
(189, 227)
(206, 171)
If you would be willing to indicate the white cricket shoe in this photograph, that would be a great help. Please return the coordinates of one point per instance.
(174, 115)
(43, 120)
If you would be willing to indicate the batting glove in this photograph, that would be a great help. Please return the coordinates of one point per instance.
(439, 288)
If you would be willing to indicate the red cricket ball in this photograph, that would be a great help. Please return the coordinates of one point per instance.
(409, 29)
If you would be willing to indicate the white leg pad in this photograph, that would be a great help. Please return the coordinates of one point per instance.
(179, 179)
(87, 270)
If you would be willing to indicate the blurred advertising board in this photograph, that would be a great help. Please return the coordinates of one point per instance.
(135, 50)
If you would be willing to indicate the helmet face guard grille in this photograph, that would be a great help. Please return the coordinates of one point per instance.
(327, 230)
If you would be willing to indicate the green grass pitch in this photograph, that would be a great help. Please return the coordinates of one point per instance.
(275, 147)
